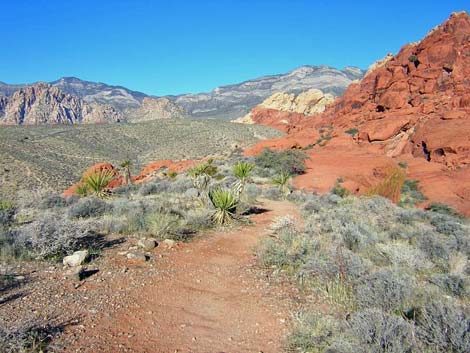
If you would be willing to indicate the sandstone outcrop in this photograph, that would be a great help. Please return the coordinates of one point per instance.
(310, 102)
(413, 108)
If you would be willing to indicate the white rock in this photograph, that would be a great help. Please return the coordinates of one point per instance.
(76, 259)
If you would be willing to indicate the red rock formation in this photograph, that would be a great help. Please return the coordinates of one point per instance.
(117, 180)
(415, 107)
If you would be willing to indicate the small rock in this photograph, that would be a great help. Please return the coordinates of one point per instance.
(137, 256)
(75, 273)
(147, 244)
(76, 259)
(169, 243)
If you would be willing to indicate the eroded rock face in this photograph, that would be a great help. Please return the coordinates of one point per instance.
(155, 108)
(310, 102)
(412, 107)
(45, 104)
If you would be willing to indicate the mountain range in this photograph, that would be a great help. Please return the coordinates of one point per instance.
(117, 103)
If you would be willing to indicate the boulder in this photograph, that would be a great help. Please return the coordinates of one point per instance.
(76, 259)
(147, 244)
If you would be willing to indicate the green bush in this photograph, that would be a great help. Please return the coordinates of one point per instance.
(286, 161)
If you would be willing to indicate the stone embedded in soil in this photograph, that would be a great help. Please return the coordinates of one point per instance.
(76, 259)
(137, 256)
(147, 244)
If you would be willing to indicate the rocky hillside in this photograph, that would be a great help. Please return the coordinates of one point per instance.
(97, 92)
(155, 108)
(234, 101)
(412, 108)
(306, 103)
(45, 104)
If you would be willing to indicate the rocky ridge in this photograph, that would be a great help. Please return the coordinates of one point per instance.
(43, 103)
(412, 108)
(234, 101)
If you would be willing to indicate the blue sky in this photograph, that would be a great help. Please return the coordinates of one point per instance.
(170, 47)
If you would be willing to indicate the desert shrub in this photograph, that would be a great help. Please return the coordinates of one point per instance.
(252, 192)
(298, 197)
(456, 285)
(180, 185)
(352, 131)
(287, 161)
(410, 194)
(7, 213)
(28, 335)
(161, 225)
(312, 333)
(391, 185)
(154, 187)
(282, 181)
(241, 170)
(380, 332)
(272, 193)
(444, 326)
(386, 289)
(402, 254)
(287, 250)
(52, 201)
(443, 208)
(88, 207)
(340, 190)
(52, 236)
(125, 189)
(9, 248)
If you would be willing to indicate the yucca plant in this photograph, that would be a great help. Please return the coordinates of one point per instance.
(282, 181)
(98, 181)
(201, 175)
(242, 171)
(127, 165)
(225, 203)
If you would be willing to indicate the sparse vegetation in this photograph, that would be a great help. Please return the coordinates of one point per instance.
(286, 161)
(391, 185)
(225, 203)
(282, 181)
(352, 131)
(394, 277)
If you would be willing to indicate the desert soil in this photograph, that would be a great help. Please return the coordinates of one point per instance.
(207, 295)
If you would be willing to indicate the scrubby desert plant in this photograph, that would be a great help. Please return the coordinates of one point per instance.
(225, 203)
(391, 185)
(242, 171)
(126, 165)
(289, 161)
(7, 213)
(98, 181)
(89, 207)
(282, 181)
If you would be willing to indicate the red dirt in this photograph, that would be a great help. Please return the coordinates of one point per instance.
(206, 296)
(414, 108)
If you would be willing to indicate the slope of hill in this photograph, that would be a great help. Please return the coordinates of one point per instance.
(97, 92)
(55, 156)
(45, 104)
(234, 101)
(412, 108)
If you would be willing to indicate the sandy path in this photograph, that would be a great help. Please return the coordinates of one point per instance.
(206, 297)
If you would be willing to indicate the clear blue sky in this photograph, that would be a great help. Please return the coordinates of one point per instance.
(169, 47)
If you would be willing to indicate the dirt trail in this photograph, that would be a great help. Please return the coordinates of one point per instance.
(206, 297)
